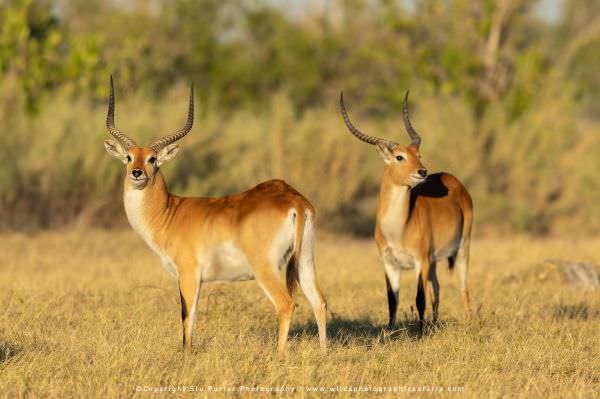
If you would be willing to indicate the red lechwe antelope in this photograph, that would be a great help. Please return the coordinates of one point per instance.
(421, 219)
(265, 233)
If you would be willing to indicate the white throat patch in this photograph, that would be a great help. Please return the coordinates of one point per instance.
(393, 220)
(134, 209)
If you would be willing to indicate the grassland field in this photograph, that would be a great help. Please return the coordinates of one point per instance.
(93, 314)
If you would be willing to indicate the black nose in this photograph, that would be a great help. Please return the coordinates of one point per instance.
(423, 172)
(136, 173)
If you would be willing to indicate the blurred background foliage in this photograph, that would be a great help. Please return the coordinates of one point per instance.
(505, 93)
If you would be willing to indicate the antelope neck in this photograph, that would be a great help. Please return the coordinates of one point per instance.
(394, 208)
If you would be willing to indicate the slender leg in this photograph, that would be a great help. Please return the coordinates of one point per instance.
(422, 273)
(308, 283)
(189, 291)
(307, 277)
(285, 310)
(434, 290)
(392, 282)
(276, 290)
(462, 264)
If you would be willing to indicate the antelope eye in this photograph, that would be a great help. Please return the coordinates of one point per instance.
(152, 159)
(128, 158)
(399, 157)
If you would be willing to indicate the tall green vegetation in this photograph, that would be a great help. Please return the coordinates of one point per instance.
(504, 99)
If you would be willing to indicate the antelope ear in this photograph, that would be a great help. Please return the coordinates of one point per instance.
(167, 153)
(385, 152)
(116, 150)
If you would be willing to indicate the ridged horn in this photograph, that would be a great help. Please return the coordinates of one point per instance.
(412, 133)
(357, 133)
(165, 141)
(125, 140)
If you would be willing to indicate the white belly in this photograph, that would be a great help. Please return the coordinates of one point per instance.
(398, 258)
(401, 259)
(225, 263)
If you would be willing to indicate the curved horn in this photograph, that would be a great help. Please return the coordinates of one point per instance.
(165, 141)
(125, 140)
(412, 133)
(357, 133)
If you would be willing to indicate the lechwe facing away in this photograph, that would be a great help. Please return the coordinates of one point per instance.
(265, 233)
(421, 219)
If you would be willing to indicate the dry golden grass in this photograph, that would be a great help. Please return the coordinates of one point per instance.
(92, 314)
